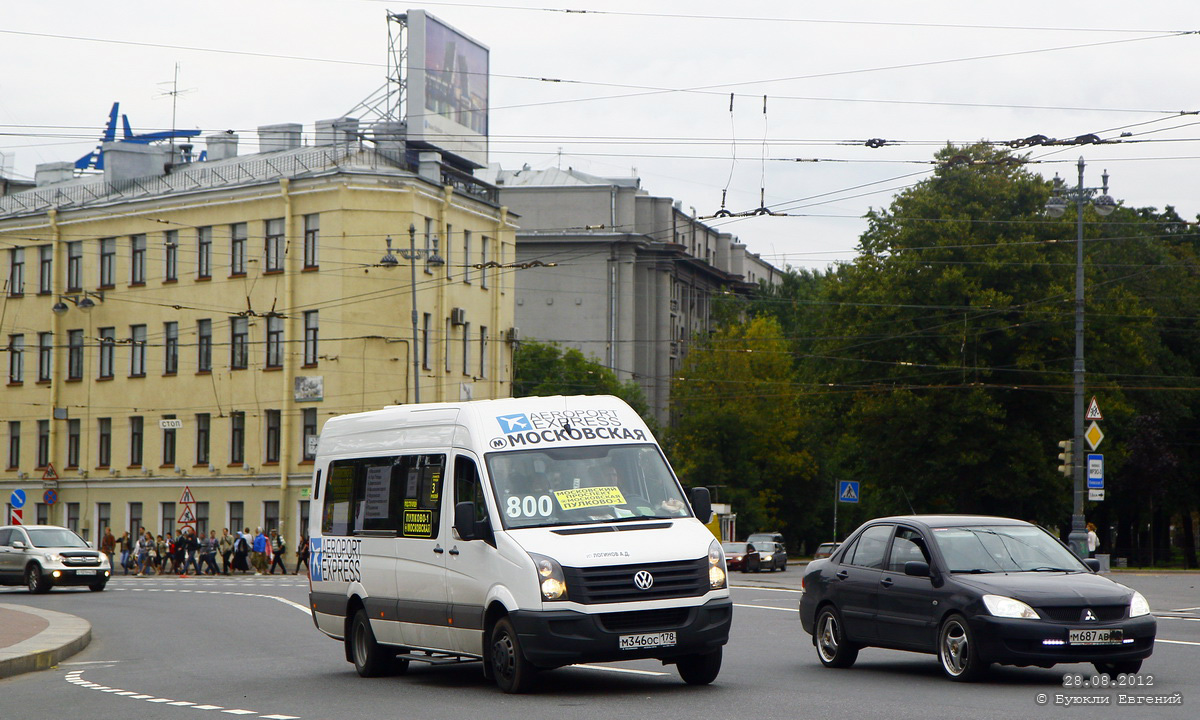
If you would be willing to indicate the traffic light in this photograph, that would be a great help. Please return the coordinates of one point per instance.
(1066, 458)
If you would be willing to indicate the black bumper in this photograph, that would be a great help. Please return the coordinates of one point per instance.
(556, 638)
(1023, 642)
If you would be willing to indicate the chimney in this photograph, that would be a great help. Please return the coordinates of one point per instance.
(284, 136)
(221, 146)
(389, 137)
(429, 166)
(125, 161)
(54, 172)
(337, 131)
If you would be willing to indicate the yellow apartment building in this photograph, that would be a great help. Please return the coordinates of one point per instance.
(175, 323)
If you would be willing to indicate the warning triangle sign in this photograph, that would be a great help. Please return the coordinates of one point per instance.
(50, 474)
(188, 517)
(187, 496)
(1093, 411)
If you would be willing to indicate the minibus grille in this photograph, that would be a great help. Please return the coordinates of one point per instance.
(616, 583)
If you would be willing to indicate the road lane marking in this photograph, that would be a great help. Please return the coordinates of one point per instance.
(764, 589)
(629, 671)
(73, 677)
(765, 607)
(1177, 642)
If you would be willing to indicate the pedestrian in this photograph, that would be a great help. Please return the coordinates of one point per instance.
(258, 552)
(278, 550)
(302, 555)
(108, 545)
(211, 546)
(192, 545)
(241, 550)
(179, 555)
(1093, 540)
(145, 547)
(124, 546)
(225, 547)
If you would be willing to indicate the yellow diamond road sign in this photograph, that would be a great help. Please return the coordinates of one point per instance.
(1093, 435)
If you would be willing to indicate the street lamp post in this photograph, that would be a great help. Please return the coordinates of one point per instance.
(1056, 207)
(412, 254)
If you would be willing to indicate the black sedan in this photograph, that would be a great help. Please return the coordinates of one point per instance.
(740, 556)
(973, 591)
(772, 556)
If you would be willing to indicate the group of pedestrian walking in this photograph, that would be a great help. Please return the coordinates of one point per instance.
(241, 553)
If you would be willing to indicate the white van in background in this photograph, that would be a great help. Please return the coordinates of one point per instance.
(529, 533)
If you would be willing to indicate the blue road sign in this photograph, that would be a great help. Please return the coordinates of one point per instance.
(1095, 471)
(848, 491)
(50, 497)
(18, 498)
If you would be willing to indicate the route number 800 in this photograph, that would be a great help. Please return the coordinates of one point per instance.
(529, 506)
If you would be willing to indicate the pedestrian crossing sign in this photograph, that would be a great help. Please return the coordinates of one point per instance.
(848, 491)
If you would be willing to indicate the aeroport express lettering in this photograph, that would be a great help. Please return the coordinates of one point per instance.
(570, 434)
(335, 559)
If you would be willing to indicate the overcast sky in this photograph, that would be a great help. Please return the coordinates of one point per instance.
(644, 88)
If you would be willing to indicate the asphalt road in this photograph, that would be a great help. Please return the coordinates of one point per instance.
(245, 647)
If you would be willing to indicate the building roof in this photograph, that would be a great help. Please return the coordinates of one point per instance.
(554, 177)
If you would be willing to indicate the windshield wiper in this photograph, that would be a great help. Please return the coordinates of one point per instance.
(1047, 568)
(973, 571)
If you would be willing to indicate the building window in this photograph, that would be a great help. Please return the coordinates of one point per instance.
(43, 514)
(16, 271)
(137, 351)
(16, 359)
(103, 518)
(203, 345)
(310, 337)
(168, 443)
(239, 339)
(274, 248)
(270, 515)
(273, 428)
(201, 519)
(237, 437)
(43, 443)
(137, 262)
(466, 348)
(237, 515)
(45, 355)
(467, 256)
(203, 433)
(312, 239)
(447, 344)
(75, 354)
(308, 430)
(104, 449)
(171, 347)
(45, 269)
(75, 266)
(483, 347)
(14, 444)
(108, 262)
(137, 434)
(136, 529)
(275, 341)
(237, 249)
(303, 516)
(429, 243)
(73, 442)
(108, 339)
(167, 513)
(483, 261)
(426, 321)
(171, 255)
(73, 517)
(204, 252)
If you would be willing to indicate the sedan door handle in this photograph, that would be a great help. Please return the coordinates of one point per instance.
(454, 550)
(842, 574)
(886, 582)
(438, 549)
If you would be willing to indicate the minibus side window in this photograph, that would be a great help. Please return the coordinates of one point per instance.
(397, 494)
(467, 487)
(421, 478)
(339, 498)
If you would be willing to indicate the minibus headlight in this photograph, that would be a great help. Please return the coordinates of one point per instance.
(551, 580)
(716, 566)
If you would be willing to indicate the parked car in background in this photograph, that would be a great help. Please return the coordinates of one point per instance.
(771, 555)
(42, 556)
(972, 591)
(824, 550)
(741, 556)
(773, 537)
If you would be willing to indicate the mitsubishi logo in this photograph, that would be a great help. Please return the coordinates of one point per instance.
(643, 579)
(1088, 615)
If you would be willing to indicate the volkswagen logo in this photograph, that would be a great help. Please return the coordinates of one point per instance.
(1089, 616)
(644, 580)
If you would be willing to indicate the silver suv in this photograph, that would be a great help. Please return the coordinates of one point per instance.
(42, 556)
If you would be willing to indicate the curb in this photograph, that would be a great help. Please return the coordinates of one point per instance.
(66, 636)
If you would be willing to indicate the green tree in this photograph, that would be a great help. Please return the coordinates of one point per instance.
(549, 369)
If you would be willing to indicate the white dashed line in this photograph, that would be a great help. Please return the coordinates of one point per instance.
(241, 712)
(73, 678)
(628, 671)
(765, 607)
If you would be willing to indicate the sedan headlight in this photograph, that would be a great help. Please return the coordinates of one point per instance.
(766, 556)
(716, 566)
(1006, 607)
(551, 580)
(1138, 605)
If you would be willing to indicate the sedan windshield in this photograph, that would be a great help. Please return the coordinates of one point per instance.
(735, 548)
(578, 485)
(1003, 548)
(54, 538)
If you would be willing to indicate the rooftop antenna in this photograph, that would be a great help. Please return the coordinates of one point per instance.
(174, 92)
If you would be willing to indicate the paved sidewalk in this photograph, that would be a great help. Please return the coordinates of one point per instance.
(36, 639)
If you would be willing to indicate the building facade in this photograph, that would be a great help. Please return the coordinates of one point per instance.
(177, 324)
(635, 276)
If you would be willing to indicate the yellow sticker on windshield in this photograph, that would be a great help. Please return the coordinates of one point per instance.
(589, 497)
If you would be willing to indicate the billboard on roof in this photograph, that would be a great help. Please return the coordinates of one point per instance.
(447, 88)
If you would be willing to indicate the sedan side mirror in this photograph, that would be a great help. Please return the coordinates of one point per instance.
(916, 568)
(1093, 564)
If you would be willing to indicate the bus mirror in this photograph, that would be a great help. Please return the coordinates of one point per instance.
(701, 504)
(464, 520)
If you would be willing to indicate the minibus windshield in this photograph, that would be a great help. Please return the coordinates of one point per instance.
(578, 485)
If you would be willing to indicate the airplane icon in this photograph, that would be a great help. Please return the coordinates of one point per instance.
(513, 423)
